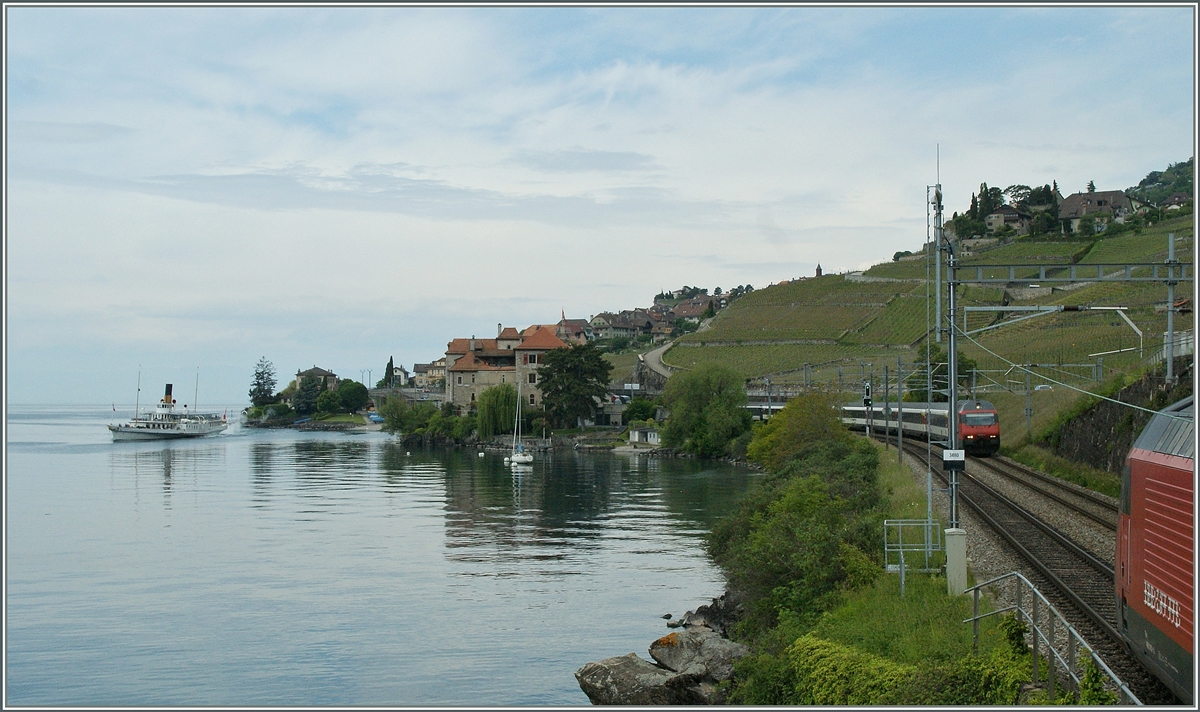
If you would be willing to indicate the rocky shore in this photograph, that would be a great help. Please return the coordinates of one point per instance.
(688, 666)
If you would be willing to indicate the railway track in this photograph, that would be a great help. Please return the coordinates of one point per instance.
(1091, 505)
(1077, 582)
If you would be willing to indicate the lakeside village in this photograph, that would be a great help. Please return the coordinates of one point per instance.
(454, 385)
(810, 614)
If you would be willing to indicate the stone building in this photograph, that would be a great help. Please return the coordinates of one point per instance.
(474, 365)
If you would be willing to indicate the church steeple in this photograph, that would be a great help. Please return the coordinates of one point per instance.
(818, 269)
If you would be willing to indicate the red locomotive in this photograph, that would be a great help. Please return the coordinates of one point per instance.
(978, 422)
(978, 427)
(1155, 576)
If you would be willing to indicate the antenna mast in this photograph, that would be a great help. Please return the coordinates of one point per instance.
(937, 239)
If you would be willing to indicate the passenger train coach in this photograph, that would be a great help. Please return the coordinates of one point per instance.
(1155, 576)
(978, 422)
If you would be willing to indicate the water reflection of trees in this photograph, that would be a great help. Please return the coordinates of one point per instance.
(569, 499)
(325, 462)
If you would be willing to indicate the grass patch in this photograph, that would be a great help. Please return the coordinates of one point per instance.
(923, 626)
(339, 418)
(1083, 475)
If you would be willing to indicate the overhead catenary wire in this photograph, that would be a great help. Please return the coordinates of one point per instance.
(1067, 385)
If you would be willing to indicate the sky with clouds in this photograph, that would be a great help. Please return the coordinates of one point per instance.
(194, 188)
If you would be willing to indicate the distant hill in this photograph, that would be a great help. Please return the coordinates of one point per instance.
(1157, 186)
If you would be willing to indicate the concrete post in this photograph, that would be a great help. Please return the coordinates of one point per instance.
(956, 561)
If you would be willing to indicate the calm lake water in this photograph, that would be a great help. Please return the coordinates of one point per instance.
(283, 568)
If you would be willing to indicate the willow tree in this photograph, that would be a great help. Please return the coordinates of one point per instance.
(497, 410)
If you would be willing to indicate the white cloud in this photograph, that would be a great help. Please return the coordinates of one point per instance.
(348, 184)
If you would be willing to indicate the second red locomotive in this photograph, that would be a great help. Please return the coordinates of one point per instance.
(1155, 575)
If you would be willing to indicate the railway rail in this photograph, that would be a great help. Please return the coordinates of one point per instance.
(1079, 584)
(1091, 505)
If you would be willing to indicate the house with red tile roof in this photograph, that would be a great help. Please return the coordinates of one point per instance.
(474, 365)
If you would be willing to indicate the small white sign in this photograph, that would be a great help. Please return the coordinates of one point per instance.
(633, 386)
(954, 460)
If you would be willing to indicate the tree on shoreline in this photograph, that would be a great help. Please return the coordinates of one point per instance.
(307, 393)
(497, 410)
(262, 390)
(570, 380)
(707, 410)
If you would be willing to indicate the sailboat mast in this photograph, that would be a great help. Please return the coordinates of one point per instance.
(137, 400)
(196, 395)
(517, 418)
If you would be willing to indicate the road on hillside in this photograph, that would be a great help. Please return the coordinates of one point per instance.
(653, 358)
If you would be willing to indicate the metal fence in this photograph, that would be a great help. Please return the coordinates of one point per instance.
(912, 540)
(1046, 625)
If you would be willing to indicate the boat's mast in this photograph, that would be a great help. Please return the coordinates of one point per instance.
(196, 395)
(137, 401)
(517, 418)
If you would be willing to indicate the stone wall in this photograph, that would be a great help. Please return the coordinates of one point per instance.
(1102, 435)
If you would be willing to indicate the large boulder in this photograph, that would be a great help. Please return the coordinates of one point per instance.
(630, 680)
(698, 651)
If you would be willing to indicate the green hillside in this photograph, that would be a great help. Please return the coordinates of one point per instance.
(847, 324)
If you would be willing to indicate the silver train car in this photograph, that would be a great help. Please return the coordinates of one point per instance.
(978, 422)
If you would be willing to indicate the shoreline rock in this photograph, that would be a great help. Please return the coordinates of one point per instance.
(688, 664)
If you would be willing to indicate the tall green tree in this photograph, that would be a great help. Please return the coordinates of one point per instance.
(387, 374)
(329, 402)
(497, 410)
(305, 400)
(639, 409)
(353, 394)
(262, 389)
(570, 379)
(707, 409)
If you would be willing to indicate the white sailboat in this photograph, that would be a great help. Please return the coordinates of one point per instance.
(518, 456)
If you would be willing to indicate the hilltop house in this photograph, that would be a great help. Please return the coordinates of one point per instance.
(474, 365)
(1101, 205)
(1009, 216)
(692, 309)
(1176, 201)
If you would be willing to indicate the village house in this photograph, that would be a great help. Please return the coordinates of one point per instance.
(329, 379)
(607, 325)
(429, 375)
(399, 376)
(1101, 205)
(1176, 201)
(574, 331)
(474, 365)
(1009, 216)
(692, 309)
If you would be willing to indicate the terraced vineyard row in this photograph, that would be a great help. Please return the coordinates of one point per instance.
(757, 361)
(902, 322)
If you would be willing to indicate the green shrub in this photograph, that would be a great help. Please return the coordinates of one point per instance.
(329, 402)
(809, 418)
(707, 413)
(813, 671)
(1091, 687)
